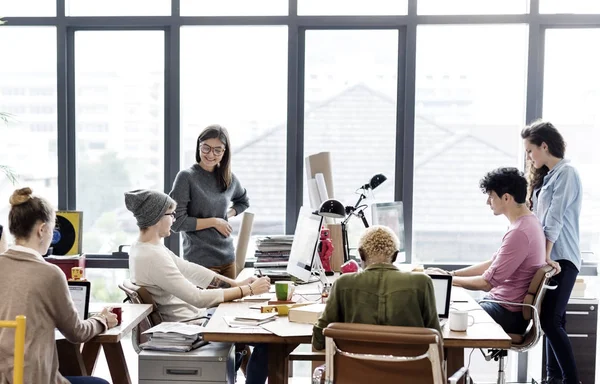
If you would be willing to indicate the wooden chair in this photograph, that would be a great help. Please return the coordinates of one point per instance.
(140, 295)
(365, 353)
(20, 325)
(532, 307)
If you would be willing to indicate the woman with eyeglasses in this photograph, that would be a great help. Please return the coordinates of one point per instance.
(207, 195)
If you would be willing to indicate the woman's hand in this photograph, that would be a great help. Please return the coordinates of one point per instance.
(261, 285)
(554, 265)
(111, 318)
(222, 226)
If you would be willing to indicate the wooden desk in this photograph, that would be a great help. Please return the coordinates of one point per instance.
(484, 333)
(75, 362)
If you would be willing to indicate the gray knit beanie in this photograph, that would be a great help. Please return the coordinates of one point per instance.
(147, 206)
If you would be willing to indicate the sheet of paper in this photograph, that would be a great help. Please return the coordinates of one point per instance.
(284, 328)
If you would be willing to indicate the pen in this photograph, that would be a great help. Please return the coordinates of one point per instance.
(259, 273)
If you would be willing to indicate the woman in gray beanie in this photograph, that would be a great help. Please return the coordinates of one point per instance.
(174, 282)
(208, 194)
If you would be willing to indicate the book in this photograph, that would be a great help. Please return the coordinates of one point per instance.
(308, 314)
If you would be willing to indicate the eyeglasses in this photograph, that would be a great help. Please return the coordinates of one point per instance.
(172, 214)
(205, 148)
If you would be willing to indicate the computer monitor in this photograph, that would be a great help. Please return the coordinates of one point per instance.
(392, 216)
(442, 286)
(80, 294)
(304, 246)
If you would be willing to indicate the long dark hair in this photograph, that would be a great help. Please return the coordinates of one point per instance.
(223, 170)
(537, 133)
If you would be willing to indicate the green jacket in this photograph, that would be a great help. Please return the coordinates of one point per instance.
(380, 295)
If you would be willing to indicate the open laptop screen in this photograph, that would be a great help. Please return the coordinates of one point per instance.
(80, 294)
(442, 285)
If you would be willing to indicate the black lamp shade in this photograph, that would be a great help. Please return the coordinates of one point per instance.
(332, 208)
(377, 180)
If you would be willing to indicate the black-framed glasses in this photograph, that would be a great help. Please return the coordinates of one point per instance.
(172, 214)
(217, 151)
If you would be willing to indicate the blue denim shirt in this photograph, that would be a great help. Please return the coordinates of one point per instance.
(557, 204)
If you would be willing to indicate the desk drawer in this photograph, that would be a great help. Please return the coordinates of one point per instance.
(212, 363)
(582, 319)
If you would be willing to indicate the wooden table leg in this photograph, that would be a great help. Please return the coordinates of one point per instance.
(70, 361)
(455, 360)
(278, 362)
(117, 364)
(90, 356)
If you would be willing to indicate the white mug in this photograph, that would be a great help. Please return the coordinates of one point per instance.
(459, 320)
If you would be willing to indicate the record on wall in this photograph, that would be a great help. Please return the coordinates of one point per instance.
(66, 239)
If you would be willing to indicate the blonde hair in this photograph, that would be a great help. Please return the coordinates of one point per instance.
(378, 244)
(26, 211)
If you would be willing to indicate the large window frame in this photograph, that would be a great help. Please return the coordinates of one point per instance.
(297, 25)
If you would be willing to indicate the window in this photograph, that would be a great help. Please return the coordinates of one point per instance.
(25, 139)
(237, 77)
(571, 104)
(471, 7)
(118, 7)
(352, 7)
(470, 108)
(571, 6)
(11, 8)
(234, 7)
(350, 109)
(106, 64)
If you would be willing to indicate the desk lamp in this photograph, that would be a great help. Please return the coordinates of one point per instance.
(335, 209)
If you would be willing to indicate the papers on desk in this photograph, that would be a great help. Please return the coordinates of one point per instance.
(261, 297)
(249, 319)
(174, 337)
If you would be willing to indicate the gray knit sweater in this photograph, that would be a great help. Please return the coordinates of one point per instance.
(198, 197)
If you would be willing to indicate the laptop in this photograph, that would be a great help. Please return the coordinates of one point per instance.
(80, 294)
(442, 286)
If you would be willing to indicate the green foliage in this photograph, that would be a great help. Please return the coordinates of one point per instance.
(100, 186)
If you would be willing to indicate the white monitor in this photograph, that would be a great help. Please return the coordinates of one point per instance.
(392, 216)
(304, 246)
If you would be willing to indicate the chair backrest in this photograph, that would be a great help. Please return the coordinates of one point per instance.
(140, 295)
(20, 325)
(363, 353)
(241, 247)
(534, 297)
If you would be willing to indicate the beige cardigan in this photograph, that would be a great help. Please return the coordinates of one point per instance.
(32, 287)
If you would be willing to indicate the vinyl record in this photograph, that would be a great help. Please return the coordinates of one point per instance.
(63, 237)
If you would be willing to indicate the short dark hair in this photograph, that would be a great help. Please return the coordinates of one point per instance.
(505, 180)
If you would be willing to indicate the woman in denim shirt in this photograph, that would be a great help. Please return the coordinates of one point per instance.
(555, 195)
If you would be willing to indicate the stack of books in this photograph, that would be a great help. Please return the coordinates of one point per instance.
(174, 337)
(273, 251)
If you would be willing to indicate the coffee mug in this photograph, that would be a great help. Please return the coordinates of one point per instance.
(459, 320)
(119, 312)
(284, 290)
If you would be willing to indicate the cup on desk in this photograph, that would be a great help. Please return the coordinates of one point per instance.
(284, 290)
(459, 320)
(119, 312)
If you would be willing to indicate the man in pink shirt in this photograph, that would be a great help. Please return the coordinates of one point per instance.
(507, 275)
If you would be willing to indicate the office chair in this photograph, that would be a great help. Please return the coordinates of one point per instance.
(532, 305)
(241, 247)
(140, 295)
(20, 325)
(365, 353)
